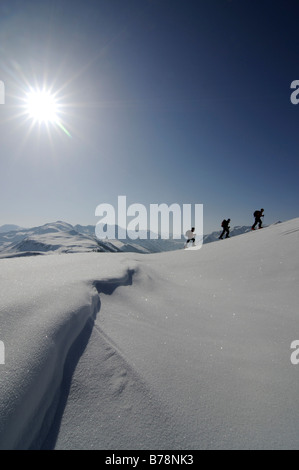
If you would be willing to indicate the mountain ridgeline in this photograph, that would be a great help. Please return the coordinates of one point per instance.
(61, 237)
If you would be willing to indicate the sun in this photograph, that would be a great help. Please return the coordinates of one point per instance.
(42, 106)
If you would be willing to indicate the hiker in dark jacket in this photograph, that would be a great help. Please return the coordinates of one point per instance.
(258, 219)
(226, 227)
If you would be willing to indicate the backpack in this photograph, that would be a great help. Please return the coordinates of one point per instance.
(223, 223)
(256, 214)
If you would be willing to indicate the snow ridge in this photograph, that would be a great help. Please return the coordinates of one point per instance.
(27, 418)
(195, 355)
(22, 424)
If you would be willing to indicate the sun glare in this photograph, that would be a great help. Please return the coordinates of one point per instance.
(41, 106)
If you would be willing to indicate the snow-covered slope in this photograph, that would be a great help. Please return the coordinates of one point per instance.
(177, 350)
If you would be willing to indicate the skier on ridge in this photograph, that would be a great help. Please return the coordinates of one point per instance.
(225, 226)
(190, 237)
(257, 216)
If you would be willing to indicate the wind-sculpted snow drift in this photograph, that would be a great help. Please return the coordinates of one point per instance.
(48, 326)
(172, 350)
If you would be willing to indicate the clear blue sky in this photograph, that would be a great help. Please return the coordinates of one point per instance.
(184, 101)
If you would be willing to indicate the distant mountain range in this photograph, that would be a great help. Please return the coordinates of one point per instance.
(61, 237)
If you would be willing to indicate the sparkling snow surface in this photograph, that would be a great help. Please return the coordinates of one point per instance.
(176, 350)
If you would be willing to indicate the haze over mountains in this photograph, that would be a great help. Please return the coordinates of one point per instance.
(9, 227)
